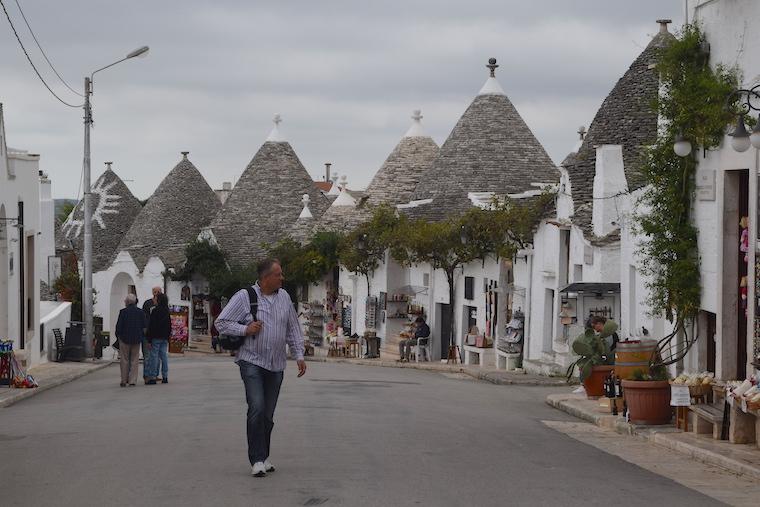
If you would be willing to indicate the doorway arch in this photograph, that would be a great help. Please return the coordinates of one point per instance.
(122, 284)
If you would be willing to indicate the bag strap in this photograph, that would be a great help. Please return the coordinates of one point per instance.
(253, 298)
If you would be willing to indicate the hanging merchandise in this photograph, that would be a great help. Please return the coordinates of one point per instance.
(744, 241)
(178, 340)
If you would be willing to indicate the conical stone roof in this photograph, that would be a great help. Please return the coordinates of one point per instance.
(490, 149)
(265, 203)
(393, 183)
(181, 206)
(114, 209)
(627, 118)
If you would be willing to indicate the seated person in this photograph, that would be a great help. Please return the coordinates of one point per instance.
(421, 330)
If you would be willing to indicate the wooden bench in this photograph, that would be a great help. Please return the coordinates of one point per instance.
(708, 419)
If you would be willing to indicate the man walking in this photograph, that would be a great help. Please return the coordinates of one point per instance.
(129, 330)
(261, 358)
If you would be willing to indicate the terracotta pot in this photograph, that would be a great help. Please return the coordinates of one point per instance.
(594, 384)
(648, 401)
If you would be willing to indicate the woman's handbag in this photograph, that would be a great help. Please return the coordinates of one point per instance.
(232, 342)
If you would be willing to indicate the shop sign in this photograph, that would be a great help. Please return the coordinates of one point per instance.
(679, 396)
(706, 185)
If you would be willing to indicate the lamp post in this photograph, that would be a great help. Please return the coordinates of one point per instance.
(748, 100)
(87, 295)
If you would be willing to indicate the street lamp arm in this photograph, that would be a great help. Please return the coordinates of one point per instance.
(744, 97)
(107, 66)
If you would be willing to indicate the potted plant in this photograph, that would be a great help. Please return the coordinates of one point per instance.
(648, 396)
(595, 361)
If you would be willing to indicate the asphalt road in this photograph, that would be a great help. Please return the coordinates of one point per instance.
(344, 435)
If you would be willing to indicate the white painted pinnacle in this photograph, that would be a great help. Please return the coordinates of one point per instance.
(416, 129)
(275, 136)
(305, 212)
(344, 199)
(492, 87)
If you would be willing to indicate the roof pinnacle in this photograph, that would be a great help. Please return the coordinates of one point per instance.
(416, 129)
(108, 165)
(664, 24)
(306, 212)
(492, 66)
(184, 154)
(275, 135)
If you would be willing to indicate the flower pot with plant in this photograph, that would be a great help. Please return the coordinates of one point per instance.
(648, 396)
(595, 361)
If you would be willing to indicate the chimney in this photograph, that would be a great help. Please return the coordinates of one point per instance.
(327, 171)
(664, 24)
(227, 186)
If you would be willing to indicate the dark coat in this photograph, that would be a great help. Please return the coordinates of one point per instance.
(422, 331)
(130, 325)
(160, 324)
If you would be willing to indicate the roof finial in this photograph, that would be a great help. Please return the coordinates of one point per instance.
(582, 132)
(335, 177)
(108, 166)
(184, 154)
(274, 135)
(492, 65)
(305, 212)
(664, 24)
(343, 182)
(416, 129)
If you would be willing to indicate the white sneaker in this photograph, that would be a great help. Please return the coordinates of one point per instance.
(268, 466)
(258, 469)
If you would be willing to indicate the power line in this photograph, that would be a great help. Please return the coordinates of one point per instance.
(30, 60)
(43, 51)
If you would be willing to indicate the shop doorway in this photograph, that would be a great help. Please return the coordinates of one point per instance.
(733, 351)
(443, 326)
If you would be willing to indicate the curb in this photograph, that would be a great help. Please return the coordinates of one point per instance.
(478, 375)
(657, 436)
(22, 394)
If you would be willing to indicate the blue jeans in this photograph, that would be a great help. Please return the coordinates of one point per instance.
(147, 358)
(262, 388)
(159, 352)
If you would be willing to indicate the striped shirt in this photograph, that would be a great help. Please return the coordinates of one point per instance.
(279, 327)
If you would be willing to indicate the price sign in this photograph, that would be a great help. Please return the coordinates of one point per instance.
(679, 396)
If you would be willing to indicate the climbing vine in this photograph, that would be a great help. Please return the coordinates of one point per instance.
(692, 102)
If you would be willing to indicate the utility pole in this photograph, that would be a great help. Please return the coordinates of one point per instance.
(87, 303)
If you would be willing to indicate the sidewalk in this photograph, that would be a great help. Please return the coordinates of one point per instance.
(202, 345)
(742, 459)
(49, 375)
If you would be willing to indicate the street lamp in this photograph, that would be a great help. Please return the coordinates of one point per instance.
(748, 100)
(87, 254)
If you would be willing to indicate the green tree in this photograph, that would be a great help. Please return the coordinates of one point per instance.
(363, 249)
(499, 232)
(65, 211)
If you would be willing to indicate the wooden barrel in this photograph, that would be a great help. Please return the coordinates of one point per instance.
(633, 355)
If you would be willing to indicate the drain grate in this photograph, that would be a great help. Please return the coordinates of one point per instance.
(315, 501)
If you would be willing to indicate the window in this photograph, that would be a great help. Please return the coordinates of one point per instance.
(469, 287)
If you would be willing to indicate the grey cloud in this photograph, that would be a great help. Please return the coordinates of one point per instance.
(344, 74)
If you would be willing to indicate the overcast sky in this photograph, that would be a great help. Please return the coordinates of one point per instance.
(345, 75)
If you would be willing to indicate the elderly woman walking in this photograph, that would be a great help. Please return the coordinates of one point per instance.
(129, 331)
(159, 331)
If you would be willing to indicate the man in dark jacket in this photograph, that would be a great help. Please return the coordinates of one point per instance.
(147, 351)
(159, 332)
(129, 331)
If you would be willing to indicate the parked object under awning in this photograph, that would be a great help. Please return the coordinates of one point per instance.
(592, 288)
